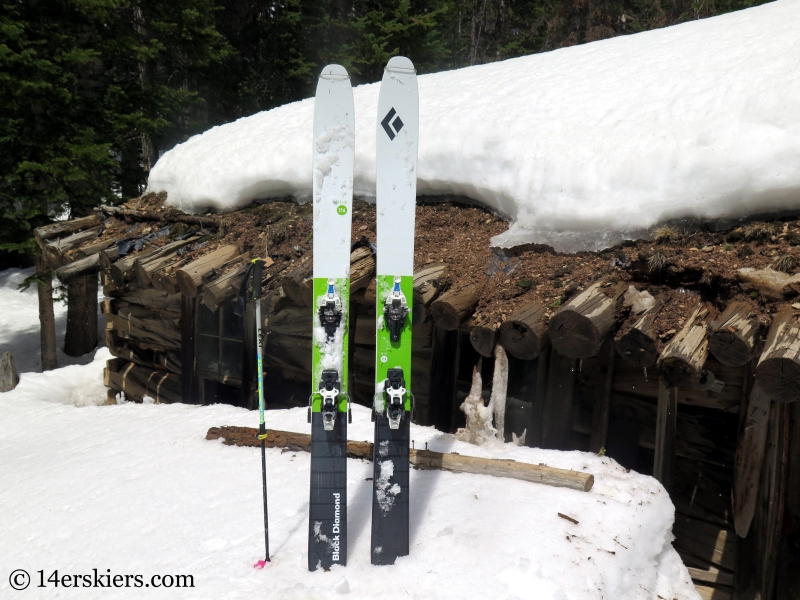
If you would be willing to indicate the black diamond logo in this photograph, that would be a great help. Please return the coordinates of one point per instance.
(396, 125)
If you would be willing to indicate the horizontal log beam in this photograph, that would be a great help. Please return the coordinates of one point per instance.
(144, 215)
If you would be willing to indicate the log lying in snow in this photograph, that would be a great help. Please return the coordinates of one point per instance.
(732, 337)
(771, 284)
(428, 282)
(422, 459)
(778, 370)
(456, 304)
(682, 360)
(638, 345)
(524, 333)
(55, 230)
(190, 276)
(155, 216)
(578, 329)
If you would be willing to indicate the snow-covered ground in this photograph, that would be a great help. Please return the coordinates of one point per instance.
(136, 490)
(578, 146)
(19, 323)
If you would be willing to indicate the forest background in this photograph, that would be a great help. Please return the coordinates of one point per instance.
(94, 91)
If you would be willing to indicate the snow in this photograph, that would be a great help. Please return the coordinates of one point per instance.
(580, 147)
(136, 489)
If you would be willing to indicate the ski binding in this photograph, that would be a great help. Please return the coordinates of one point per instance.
(393, 392)
(395, 311)
(329, 390)
(330, 311)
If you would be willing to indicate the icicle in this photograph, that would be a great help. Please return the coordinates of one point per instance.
(499, 390)
(645, 373)
(580, 365)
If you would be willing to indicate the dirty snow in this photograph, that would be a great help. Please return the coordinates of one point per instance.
(579, 147)
(136, 489)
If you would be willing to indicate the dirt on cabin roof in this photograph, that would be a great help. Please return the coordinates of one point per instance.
(685, 265)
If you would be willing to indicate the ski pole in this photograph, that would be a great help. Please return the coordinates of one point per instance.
(258, 271)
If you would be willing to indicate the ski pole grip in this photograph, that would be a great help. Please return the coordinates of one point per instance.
(258, 276)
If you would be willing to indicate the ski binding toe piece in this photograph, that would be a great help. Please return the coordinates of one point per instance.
(395, 311)
(329, 390)
(330, 311)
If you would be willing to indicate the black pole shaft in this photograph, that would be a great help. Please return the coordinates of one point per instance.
(264, 479)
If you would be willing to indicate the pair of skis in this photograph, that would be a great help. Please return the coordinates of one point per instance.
(329, 405)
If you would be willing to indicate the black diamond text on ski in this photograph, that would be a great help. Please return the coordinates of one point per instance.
(396, 125)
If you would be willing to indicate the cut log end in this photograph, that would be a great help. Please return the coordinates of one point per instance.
(574, 335)
(729, 349)
(519, 340)
(779, 377)
(638, 349)
(484, 339)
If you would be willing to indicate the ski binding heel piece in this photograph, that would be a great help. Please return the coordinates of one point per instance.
(395, 311)
(394, 388)
(329, 390)
(330, 311)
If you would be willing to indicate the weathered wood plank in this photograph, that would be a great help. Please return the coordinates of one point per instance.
(666, 425)
(190, 277)
(455, 305)
(749, 459)
(557, 417)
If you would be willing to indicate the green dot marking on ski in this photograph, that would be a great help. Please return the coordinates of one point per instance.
(342, 210)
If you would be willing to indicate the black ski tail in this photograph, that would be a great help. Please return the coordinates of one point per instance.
(327, 523)
(390, 494)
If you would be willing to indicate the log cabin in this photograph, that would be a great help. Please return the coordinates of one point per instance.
(696, 385)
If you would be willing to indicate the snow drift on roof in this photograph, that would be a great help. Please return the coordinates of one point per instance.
(578, 146)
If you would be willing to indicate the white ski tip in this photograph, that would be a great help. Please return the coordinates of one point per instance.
(400, 63)
(334, 72)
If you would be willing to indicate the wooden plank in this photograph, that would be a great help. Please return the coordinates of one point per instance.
(444, 365)
(602, 405)
(756, 564)
(733, 335)
(708, 592)
(666, 425)
(632, 380)
(788, 575)
(711, 575)
(557, 415)
(707, 544)
(749, 458)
